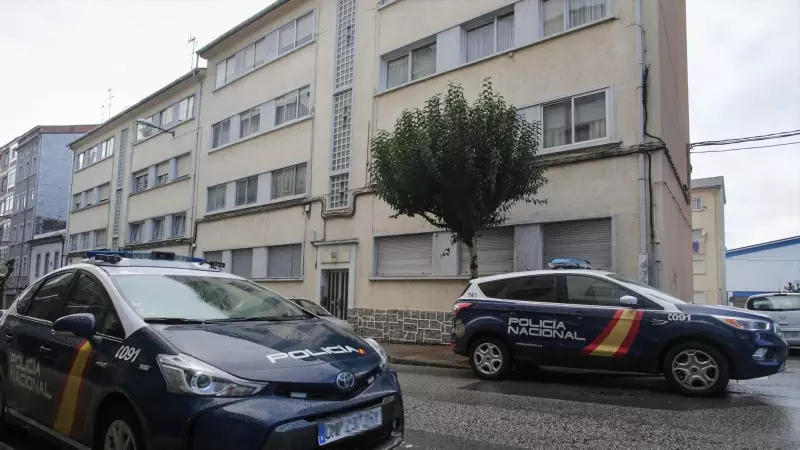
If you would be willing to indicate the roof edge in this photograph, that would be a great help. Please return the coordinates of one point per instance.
(763, 246)
(247, 22)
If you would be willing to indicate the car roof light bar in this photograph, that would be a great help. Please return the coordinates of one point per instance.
(117, 256)
(569, 263)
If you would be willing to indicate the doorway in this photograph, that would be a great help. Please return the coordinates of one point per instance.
(335, 292)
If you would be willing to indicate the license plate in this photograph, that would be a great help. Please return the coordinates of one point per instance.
(347, 425)
(791, 334)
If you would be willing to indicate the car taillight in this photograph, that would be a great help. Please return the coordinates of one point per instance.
(459, 306)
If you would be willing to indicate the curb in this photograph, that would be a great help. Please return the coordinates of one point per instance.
(423, 363)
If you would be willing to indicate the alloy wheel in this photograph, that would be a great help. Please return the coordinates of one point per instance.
(488, 358)
(695, 370)
(119, 436)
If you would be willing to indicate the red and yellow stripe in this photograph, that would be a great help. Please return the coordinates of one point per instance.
(618, 336)
(71, 391)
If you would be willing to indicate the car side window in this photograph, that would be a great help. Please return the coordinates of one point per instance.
(25, 299)
(47, 302)
(497, 288)
(89, 296)
(585, 290)
(538, 288)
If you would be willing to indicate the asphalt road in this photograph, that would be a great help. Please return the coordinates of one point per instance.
(451, 410)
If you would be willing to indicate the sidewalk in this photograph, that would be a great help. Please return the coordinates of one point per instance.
(425, 355)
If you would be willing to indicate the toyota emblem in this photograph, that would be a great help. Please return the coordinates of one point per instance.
(345, 381)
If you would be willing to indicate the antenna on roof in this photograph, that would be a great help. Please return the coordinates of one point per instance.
(192, 61)
(109, 102)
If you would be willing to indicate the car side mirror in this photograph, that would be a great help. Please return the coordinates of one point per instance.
(82, 325)
(628, 300)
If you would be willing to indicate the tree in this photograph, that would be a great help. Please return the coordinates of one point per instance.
(792, 287)
(9, 270)
(459, 166)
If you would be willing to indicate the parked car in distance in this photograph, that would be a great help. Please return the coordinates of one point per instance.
(783, 308)
(318, 310)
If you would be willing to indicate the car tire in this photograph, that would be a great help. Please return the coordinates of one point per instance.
(696, 369)
(122, 422)
(489, 358)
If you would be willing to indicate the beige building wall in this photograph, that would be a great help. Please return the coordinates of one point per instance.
(708, 240)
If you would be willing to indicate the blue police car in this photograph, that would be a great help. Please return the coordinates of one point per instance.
(589, 319)
(132, 351)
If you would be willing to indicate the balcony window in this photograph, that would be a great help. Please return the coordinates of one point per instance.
(577, 119)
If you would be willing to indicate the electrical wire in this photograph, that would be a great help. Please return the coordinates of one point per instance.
(763, 137)
(744, 148)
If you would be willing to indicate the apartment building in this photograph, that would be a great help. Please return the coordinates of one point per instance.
(39, 164)
(132, 180)
(708, 241)
(296, 92)
(8, 170)
(47, 250)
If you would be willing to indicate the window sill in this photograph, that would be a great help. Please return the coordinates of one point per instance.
(580, 146)
(419, 278)
(103, 202)
(387, 4)
(94, 163)
(266, 63)
(159, 132)
(181, 178)
(280, 280)
(494, 55)
(260, 133)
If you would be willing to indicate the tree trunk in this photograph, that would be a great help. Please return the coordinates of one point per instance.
(473, 260)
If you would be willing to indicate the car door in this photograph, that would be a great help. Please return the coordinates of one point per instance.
(617, 336)
(34, 376)
(88, 365)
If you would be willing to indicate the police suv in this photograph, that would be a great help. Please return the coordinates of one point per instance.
(135, 351)
(590, 319)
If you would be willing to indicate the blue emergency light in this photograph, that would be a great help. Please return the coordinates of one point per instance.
(569, 263)
(116, 256)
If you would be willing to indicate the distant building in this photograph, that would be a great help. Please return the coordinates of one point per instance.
(47, 250)
(762, 268)
(36, 181)
(708, 240)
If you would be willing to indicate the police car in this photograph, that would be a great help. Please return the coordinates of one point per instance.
(572, 316)
(132, 351)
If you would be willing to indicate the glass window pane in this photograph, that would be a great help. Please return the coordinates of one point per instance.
(230, 68)
(277, 180)
(536, 289)
(585, 11)
(244, 124)
(260, 52)
(286, 38)
(304, 29)
(190, 108)
(397, 72)
(255, 120)
(300, 180)
(590, 117)
(249, 56)
(252, 189)
(215, 130)
(225, 132)
(48, 301)
(305, 102)
(553, 15)
(166, 117)
(220, 74)
(505, 32)
(89, 296)
(585, 290)
(241, 190)
(291, 106)
(423, 62)
(183, 109)
(480, 42)
(280, 110)
(557, 124)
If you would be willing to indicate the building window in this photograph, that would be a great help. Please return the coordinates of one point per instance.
(216, 197)
(32, 195)
(242, 262)
(144, 131)
(577, 119)
(85, 244)
(136, 232)
(95, 154)
(560, 15)
(178, 225)
(186, 109)
(76, 202)
(38, 266)
(697, 241)
(697, 204)
(158, 229)
(407, 255)
(246, 191)
(340, 185)
(289, 181)
(221, 133)
(413, 65)
(104, 192)
(284, 261)
(33, 165)
(56, 260)
(24, 264)
(490, 38)
(100, 238)
(293, 105)
(46, 267)
(295, 34)
(140, 182)
(73, 243)
(249, 122)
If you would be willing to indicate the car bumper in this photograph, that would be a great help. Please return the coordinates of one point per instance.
(747, 367)
(277, 423)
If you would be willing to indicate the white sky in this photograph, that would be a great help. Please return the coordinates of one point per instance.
(61, 56)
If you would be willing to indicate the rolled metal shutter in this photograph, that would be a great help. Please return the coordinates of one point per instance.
(495, 252)
(589, 240)
(297, 261)
(409, 255)
(279, 261)
(242, 262)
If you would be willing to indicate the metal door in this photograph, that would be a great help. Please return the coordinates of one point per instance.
(335, 299)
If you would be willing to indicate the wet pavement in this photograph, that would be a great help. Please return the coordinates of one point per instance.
(449, 409)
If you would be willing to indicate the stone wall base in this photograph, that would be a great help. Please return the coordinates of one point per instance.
(402, 326)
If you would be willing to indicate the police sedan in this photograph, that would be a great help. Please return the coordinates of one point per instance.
(132, 351)
(593, 319)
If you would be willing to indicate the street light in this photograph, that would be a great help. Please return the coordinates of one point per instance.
(144, 122)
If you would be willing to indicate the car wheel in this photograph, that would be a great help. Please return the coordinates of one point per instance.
(489, 358)
(696, 369)
(120, 431)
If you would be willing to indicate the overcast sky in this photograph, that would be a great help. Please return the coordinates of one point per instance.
(61, 56)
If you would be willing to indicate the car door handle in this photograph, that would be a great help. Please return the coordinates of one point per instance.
(45, 350)
(9, 337)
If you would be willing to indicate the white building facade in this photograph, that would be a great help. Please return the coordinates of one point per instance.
(762, 268)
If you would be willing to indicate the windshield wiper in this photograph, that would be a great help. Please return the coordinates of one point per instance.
(173, 320)
(260, 319)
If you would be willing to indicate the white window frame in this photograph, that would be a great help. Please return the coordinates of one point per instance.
(407, 54)
(224, 187)
(246, 182)
(131, 235)
(567, 25)
(100, 243)
(274, 194)
(216, 130)
(153, 223)
(699, 202)
(176, 219)
(137, 182)
(610, 121)
(246, 117)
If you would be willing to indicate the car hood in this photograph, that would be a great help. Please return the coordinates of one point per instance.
(296, 351)
(721, 310)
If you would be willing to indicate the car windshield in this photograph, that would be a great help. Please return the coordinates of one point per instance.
(649, 290)
(311, 306)
(775, 303)
(202, 298)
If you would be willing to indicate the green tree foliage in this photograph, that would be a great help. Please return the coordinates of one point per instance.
(9, 270)
(459, 166)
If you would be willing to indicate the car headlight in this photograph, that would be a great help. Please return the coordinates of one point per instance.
(381, 351)
(744, 324)
(187, 375)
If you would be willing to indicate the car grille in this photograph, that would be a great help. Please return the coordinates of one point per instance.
(326, 391)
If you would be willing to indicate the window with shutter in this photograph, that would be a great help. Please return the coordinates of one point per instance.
(213, 256)
(408, 255)
(495, 252)
(589, 240)
(242, 262)
(284, 261)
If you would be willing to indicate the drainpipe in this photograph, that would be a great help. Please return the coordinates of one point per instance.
(195, 163)
(644, 260)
